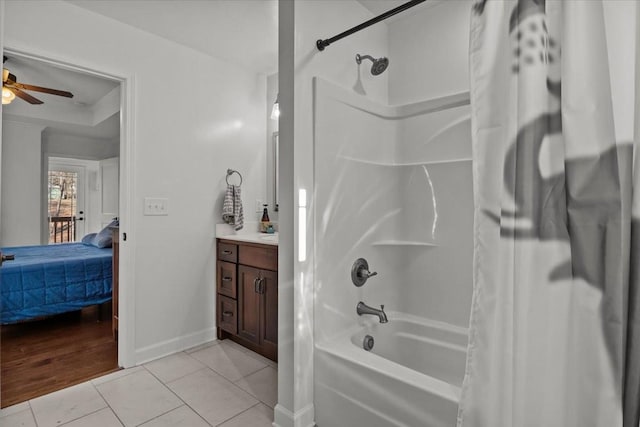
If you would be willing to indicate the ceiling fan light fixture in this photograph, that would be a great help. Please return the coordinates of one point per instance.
(7, 96)
(5, 75)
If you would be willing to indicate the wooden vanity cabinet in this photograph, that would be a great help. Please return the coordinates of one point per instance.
(247, 292)
(258, 307)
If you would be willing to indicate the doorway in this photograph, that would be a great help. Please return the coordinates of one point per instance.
(69, 192)
(66, 189)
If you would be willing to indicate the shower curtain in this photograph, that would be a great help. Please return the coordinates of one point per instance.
(554, 322)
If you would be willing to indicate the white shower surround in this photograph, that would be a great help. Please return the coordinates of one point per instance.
(394, 186)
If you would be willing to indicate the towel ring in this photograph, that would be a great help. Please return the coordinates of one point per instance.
(231, 172)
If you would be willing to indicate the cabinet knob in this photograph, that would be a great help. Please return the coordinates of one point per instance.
(227, 252)
(226, 279)
(227, 313)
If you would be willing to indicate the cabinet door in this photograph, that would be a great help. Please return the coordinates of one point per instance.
(249, 303)
(269, 312)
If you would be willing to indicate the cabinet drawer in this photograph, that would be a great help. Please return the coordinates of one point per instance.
(226, 279)
(227, 314)
(260, 257)
(228, 252)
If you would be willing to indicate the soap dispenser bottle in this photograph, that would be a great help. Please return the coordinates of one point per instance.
(265, 222)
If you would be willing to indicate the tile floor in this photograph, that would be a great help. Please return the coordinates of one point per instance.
(217, 384)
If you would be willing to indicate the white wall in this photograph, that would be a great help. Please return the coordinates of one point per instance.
(429, 49)
(76, 147)
(313, 20)
(184, 140)
(21, 177)
(284, 412)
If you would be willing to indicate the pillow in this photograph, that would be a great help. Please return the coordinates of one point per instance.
(103, 238)
(88, 239)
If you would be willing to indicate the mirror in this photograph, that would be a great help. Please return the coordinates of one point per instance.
(274, 181)
(272, 141)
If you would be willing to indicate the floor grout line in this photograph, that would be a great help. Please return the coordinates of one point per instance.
(131, 370)
(74, 419)
(251, 390)
(238, 414)
(86, 415)
(143, 368)
(108, 404)
(157, 416)
(33, 414)
(249, 353)
(187, 374)
(176, 395)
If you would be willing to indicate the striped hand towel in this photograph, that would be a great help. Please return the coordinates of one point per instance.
(232, 212)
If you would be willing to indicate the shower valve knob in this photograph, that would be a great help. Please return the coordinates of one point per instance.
(367, 274)
(360, 272)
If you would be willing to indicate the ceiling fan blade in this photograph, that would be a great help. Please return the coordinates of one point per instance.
(25, 96)
(24, 86)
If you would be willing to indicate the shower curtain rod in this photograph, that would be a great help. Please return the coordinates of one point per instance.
(321, 44)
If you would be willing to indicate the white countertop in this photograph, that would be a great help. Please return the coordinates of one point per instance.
(262, 238)
(224, 231)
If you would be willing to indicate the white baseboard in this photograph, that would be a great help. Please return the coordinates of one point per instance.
(165, 348)
(282, 417)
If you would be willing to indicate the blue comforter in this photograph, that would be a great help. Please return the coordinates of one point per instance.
(52, 279)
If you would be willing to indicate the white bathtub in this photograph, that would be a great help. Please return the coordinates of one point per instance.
(411, 377)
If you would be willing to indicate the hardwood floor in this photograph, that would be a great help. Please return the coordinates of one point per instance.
(42, 356)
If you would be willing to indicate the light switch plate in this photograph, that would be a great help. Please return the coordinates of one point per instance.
(156, 206)
(258, 206)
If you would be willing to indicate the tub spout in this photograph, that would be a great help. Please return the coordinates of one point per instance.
(363, 308)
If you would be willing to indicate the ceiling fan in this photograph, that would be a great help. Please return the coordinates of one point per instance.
(11, 88)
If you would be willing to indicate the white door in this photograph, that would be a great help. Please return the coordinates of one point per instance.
(109, 185)
(66, 191)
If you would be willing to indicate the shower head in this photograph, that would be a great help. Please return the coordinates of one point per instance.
(379, 65)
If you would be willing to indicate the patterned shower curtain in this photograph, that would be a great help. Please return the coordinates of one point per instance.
(555, 319)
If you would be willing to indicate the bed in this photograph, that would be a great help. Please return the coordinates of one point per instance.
(53, 279)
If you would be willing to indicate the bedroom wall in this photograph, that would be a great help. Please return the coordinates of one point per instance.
(183, 144)
(21, 205)
(76, 147)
